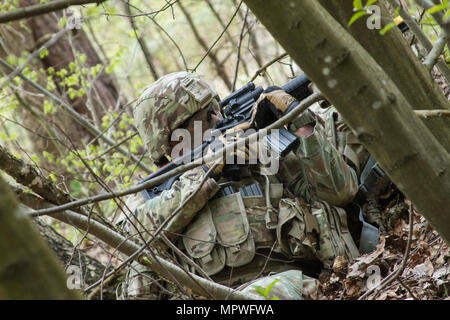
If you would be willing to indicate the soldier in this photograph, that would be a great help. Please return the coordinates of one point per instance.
(239, 230)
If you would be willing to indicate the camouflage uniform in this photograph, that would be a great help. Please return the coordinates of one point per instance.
(296, 217)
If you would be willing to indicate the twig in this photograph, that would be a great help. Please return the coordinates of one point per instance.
(75, 115)
(33, 55)
(394, 275)
(227, 33)
(129, 15)
(434, 54)
(238, 56)
(421, 36)
(407, 288)
(268, 64)
(432, 113)
(38, 9)
(147, 55)
(218, 38)
(438, 16)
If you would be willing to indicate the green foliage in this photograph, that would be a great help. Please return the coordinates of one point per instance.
(265, 291)
(356, 16)
(360, 10)
(43, 53)
(438, 7)
(387, 27)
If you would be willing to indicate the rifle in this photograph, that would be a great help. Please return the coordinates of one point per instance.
(237, 108)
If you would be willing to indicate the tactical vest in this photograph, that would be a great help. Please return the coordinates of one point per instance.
(259, 214)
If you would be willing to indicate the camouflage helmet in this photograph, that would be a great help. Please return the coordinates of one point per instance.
(166, 104)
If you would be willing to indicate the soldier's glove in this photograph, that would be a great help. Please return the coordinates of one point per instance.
(271, 105)
(239, 154)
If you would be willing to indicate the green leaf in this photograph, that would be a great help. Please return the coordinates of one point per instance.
(446, 16)
(260, 290)
(357, 4)
(370, 2)
(269, 287)
(388, 27)
(43, 53)
(356, 16)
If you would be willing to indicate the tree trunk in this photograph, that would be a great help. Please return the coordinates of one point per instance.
(369, 101)
(91, 269)
(28, 269)
(394, 55)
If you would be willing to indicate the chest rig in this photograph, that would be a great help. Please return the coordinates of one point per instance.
(258, 214)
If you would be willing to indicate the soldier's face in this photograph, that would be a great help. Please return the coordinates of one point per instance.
(198, 124)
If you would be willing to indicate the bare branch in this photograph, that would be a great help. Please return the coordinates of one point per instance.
(38, 9)
(146, 52)
(76, 116)
(439, 17)
(434, 54)
(421, 36)
(33, 55)
(268, 64)
(432, 113)
(157, 264)
(238, 56)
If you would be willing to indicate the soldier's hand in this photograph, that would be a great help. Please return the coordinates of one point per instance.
(240, 153)
(270, 106)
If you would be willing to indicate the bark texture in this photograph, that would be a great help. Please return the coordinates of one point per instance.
(375, 108)
(28, 269)
(394, 55)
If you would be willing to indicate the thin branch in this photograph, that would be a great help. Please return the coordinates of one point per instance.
(432, 113)
(166, 33)
(421, 36)
(76, 116)
(394, 275)
(129, 15)
(439, 17)
(128, 247)
(435, 53)
(227, 33)
(33, 55)
(158, 230)
(238, 56)
(38, 9)
(218, 38)
(115, 146)
(146, 52)
(268, 64)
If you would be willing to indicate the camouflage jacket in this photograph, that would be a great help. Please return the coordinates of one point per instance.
(314, 171)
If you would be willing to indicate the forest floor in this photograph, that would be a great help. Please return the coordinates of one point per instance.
(408, 263)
